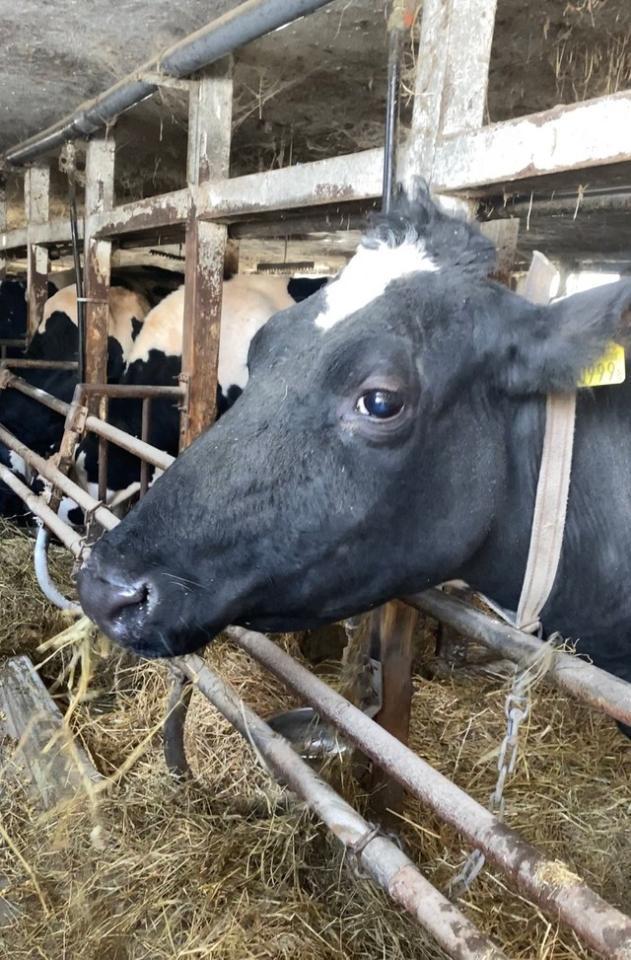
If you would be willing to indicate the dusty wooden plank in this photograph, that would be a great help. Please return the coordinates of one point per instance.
(34, 733)
(452, 76)
(574, 137)
(151, 213)
(504, 234)
(99, 197)
(36, 199)
(356, 176)
(210, 121)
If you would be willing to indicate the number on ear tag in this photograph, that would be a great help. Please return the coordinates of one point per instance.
(609, 369)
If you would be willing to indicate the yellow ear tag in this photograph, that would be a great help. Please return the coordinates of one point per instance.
(609, 369)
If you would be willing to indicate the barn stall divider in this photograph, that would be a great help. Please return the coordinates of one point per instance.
(462, 159)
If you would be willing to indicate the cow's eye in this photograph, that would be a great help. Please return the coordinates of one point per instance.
(379, 404)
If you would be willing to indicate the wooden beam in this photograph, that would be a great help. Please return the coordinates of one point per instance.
(566, 138)
(31, 721)
(36, 200)
(210, 120)
(99, 199)
(452, 76)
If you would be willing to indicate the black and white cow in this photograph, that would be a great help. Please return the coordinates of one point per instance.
(249, 300)
(388, 439)
(56, 338)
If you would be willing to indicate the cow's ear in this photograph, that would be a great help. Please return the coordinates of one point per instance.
(547, 348)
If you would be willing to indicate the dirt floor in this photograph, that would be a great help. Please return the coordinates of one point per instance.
(232, 866)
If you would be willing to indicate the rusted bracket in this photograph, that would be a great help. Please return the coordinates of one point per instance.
(6, 378)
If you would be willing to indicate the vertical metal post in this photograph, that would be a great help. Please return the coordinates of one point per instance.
(144, 435)
(36, 199)
(3, 220)
(210, 122)
(392, 631)
(99, 197)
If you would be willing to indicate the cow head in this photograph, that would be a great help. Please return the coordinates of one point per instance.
(367, 454)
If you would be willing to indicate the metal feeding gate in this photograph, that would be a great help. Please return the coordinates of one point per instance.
(458, 155)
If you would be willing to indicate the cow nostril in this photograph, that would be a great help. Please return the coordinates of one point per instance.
(121, 597)
(116, 605)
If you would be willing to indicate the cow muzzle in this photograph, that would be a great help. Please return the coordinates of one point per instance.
(122, 607)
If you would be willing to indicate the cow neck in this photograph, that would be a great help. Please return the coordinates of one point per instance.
(518, 562)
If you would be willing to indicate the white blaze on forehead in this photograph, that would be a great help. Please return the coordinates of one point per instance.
(366, 277)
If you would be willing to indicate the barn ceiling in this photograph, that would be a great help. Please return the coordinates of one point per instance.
(314, 89)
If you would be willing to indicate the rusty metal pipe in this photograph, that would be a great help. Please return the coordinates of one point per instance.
(174, 723)
(158, 458)
(545, 882)
(581, 679)
(21, 364)
(40, 508)
(144, 434)
(131, 391)
(221, 36)
(380, 857)
(35, 393)
(103, 451)
(52, 473)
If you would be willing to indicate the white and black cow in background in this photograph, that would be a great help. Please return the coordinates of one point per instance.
(249, 300)
(388, 440)
(57, 338)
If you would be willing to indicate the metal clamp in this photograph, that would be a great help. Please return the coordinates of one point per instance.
(356, 849)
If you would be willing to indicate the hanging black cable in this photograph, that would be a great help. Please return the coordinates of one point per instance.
(398, 22)
(76, 252)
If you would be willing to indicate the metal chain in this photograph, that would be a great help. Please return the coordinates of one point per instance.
(516, 710)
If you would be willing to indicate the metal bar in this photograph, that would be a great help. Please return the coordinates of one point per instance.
(396, 33)
(3, 223)
(24, 364)
(209, 130)
(227, 33)
(99, 197)
(174, 722)
(40, 508)
(545, 882)
(600, 689)
(158, 458)
(35, 393)
(20, 343)
(144, 434)
(52, 473)
(102, 456)
(135, 391)
(376, 854)
(392, 634)
(124, 440)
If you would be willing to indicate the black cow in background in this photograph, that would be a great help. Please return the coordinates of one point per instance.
(13, 312)
(57, 338)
